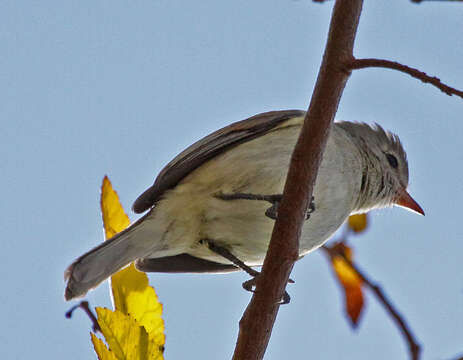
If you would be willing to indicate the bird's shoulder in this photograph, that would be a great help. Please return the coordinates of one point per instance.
(209, 147)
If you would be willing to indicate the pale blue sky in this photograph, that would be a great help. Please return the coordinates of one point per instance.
(90, 88)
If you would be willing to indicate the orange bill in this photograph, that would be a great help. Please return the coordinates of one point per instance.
(405, 200)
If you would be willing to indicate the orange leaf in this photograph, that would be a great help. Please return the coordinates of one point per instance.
(358, 222)
(351, 283)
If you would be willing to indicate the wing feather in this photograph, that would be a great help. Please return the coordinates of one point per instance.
(207, 148)
(183, 263)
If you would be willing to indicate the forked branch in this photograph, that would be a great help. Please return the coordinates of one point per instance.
(413, 346)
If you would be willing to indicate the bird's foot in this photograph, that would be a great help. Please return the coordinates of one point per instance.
(272, 212)
(251, 284)
(247, 285)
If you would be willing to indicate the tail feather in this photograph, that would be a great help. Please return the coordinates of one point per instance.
(98, 264)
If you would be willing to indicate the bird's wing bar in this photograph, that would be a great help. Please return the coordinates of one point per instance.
(207, 148)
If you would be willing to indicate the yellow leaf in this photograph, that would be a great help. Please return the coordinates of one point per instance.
(358, 222)
(127, 339)
(101, 350)
(351, 283)
(133, 296)
(131, 292)
(114, 217)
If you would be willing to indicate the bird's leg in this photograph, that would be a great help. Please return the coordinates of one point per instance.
(225, 253)
(247, 285)
(246, 196)
(272, 211)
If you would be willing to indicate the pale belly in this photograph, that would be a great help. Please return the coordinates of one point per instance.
(242, 227)
(191, 213)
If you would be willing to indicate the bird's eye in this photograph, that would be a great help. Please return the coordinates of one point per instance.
(392, 160)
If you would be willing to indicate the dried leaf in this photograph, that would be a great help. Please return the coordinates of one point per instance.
(358, 222)
(351, 283)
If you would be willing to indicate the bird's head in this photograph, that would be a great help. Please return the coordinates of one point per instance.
(385, 176)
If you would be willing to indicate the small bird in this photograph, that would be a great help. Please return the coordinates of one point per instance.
(212, 208)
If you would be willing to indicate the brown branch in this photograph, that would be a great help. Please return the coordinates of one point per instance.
(413, 346)
(366, 63)
(258, 319)
(84, 306)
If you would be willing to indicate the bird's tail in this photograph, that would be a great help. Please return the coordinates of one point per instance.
(92, 268)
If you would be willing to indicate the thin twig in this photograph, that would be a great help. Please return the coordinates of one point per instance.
(433, 80)
(84, 306)
(414, 347)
